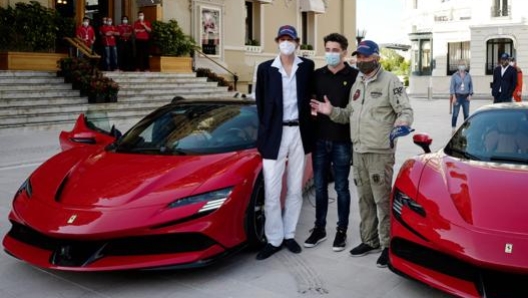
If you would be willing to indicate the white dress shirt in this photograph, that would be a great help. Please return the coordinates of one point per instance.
(289, 89)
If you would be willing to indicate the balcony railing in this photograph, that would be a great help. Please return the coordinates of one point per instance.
(500, 11)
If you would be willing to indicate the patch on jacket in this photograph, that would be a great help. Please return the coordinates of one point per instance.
(356, 95)
(397, 91)
(376, 178)
(375, 94)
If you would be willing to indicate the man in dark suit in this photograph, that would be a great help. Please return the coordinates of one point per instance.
(504, 81)
(285, 134)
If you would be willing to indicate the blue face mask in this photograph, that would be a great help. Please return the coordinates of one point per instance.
(332, 59)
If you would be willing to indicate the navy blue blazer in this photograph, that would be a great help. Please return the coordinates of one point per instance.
(505, 83)
(268, 95)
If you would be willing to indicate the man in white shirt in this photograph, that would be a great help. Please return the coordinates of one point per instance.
(285, 134)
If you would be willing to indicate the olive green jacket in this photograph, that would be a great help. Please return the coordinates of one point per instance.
(375, 105)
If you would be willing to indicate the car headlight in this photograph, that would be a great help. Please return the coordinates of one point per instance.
(214, 199)
(400, 200)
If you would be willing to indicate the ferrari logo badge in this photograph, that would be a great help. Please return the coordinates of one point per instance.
(72, 218)
(508, 248)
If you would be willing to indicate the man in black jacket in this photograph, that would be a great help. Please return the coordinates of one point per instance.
(285, 133)
(504, 81)
(333, 147)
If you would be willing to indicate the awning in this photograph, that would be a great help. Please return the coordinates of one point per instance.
(316, 6)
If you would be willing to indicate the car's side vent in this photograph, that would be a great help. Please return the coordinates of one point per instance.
(58, 193)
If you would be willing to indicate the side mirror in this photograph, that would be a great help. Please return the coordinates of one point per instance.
(424, 141)
(116, 133)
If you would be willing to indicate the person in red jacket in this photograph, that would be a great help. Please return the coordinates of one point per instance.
(142, 29)
(108, 37)
(124, 44)
(517, 93)
(86, 33)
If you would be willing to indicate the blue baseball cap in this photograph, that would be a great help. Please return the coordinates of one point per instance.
(505, 56)
(287, 30)
(367, 48)
(399, 131)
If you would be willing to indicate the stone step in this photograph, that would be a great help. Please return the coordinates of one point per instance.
(7, 73)
(14, 112)
(170, 91)
(32, 99)
(37, 93)
(31, 80)
(132, 74)
(139, 105)
(6, 104)
(193, 84)
(25, 87)
(59, 116)
(151, 80)
(168, 97)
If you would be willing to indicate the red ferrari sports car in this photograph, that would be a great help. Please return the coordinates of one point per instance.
(182, 188)
(459, 215)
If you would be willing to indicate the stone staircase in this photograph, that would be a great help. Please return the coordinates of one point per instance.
(40, 100)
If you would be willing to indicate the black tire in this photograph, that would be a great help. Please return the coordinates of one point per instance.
(255, 218)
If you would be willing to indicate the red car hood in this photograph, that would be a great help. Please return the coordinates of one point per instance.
(489, 196)
(107, 179)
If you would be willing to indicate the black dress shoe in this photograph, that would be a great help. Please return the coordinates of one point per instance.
(267, 251)
(292, 246)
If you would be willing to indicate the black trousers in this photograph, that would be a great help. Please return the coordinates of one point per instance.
(142, 57)
(125, 54)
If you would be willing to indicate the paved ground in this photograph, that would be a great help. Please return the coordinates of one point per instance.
(315, 272)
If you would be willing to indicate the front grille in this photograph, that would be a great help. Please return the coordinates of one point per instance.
(67, 252)
(492, 283)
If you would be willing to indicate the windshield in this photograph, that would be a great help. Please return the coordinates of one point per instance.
(494, 135)
(193, 128)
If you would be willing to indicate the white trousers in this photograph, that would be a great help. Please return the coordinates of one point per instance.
(281, 224)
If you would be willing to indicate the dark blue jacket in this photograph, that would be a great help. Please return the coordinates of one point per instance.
(268, 95)
(505, 83)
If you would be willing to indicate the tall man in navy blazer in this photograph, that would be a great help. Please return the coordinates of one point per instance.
(504, 81)
(285, 133)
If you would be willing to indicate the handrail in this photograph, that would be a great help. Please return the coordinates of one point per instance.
(79, 44)
(235, 76)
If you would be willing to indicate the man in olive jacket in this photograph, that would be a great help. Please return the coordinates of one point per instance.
(378, 104)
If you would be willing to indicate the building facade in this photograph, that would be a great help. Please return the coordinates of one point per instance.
(234, 34)
(441, 32)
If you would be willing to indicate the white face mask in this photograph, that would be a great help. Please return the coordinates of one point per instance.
(511, 63)
(287, 47)
(85, 24)
(109, 23)
(141, 18)
(461, 67)
(125, 22)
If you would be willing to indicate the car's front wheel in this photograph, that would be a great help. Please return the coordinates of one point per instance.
(255, 218)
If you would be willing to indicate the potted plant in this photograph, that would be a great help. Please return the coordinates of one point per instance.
(172, 48)
(307, 50)
(253, 45)
(28, 34)
(213, 77)
(112, 90)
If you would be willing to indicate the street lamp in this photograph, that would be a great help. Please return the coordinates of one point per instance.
(360, 34)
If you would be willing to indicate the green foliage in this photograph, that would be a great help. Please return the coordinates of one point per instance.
(252, 42)
(394, 62)
(308, 47)
(30, 27)
(169, 39)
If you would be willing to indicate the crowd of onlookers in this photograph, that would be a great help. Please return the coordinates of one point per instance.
(123, 47)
